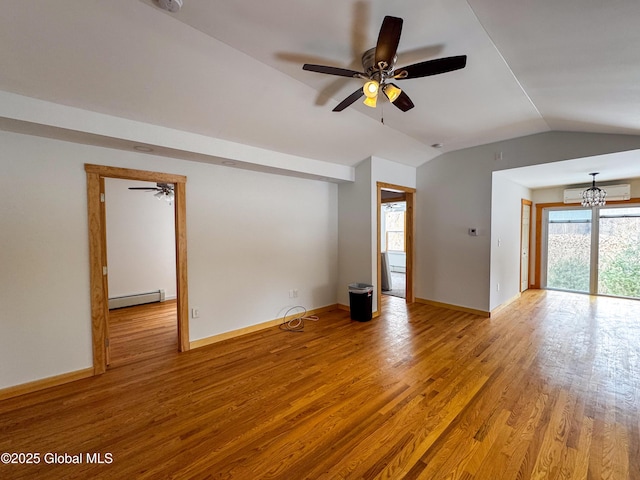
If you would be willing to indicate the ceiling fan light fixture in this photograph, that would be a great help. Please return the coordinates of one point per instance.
(371, 101)
(370, 89)
(379, 64)
(391, 92)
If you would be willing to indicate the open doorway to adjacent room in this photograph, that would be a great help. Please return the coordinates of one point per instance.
(395, 241)
(99, 280)
(140, 228)
(393, 219)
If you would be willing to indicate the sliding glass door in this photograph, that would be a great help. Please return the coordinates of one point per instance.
(619, 252)
(569, 250)
(593, 251)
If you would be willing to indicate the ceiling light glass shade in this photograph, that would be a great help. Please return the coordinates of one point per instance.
(370, 89)
(370, 101)
(391, 91)
(159, 195)
(593, 196)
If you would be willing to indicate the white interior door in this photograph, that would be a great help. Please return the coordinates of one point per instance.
(524, 247)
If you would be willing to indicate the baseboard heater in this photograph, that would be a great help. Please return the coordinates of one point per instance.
(138, 299)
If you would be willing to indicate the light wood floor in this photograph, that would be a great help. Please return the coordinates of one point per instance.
(548, 388)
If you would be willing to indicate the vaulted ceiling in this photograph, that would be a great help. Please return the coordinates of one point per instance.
(232, 69)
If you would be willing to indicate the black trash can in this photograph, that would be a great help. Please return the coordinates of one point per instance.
(361, 301)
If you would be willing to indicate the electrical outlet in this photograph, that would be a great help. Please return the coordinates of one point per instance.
(498, 287)
(195, 312)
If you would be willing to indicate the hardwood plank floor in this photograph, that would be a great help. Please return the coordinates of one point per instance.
(141, 332)
(547, 388)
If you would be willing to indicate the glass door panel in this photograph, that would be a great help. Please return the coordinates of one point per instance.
(569, 250)
(619, 252)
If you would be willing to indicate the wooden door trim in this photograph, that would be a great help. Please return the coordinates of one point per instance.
(97, 252)
(410, 198)
(105, 278)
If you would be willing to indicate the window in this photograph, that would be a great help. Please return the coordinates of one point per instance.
(394, 227)
(569, 250)
(594, 251)
(619, 252)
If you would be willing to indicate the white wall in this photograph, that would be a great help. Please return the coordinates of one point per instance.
(451, 266)
(251, 238)
(141, 251)
(454, 193)
(45, 318)
(354, 225)
(506, 204)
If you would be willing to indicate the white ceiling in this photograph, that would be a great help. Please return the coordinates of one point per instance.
(232, 69)
(610, 168)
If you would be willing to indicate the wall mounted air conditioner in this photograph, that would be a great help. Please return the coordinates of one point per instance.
(614, 192)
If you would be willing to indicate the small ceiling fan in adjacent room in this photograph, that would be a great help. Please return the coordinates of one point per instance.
(164, 191)
(379, 69)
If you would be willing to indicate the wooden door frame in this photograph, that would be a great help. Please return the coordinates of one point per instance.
(98, 248)
(524, 202)
(410, 199)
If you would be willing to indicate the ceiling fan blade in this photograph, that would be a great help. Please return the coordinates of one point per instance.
(150, 189)
(341, 72)
(431, 67)
(403, 102)
(349, 100)
(388, 40)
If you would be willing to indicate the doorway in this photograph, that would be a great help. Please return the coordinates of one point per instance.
(140, 230)
(404, 195)
(99, 290)
(393, 246)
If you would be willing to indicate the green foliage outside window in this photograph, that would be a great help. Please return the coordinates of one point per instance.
(621, 274)
(571, 273)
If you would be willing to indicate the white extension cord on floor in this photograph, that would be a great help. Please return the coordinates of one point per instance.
(296, 324)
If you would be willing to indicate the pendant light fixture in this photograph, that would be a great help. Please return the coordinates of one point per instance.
(593, 196)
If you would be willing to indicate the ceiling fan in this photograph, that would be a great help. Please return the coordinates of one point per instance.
(164, 191)
(379, 68)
